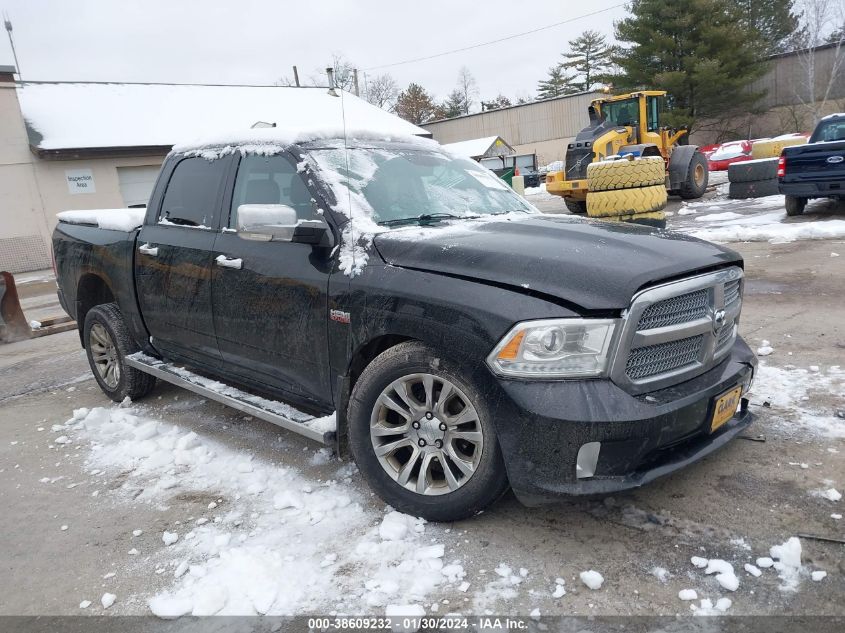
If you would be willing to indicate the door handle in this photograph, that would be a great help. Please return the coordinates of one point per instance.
(226, 262)
(148, 249)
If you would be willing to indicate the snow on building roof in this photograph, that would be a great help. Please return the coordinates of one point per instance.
(114, 115)
(480, 147)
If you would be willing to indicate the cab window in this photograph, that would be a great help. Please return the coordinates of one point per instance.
(625, 112)
(271, 180)
(653, 107)
(193, 193)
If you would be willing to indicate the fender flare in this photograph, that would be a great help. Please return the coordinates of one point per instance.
(679, 164)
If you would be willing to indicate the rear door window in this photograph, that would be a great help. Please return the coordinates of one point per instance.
(193, 194)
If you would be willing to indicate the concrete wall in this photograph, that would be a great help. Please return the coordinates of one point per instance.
(543, 127)
(57, 197)
(33, 190)
(22, 223)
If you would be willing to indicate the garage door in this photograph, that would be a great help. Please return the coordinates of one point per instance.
(136, 184)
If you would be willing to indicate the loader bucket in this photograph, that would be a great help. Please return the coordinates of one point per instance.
(13, 324)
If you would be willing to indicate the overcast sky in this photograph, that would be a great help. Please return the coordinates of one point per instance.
(257, 42)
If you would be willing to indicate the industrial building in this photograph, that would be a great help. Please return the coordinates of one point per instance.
(100, 145)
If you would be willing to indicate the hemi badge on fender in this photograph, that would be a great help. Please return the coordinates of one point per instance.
(340, 316)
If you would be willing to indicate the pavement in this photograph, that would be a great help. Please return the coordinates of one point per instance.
(734, 505)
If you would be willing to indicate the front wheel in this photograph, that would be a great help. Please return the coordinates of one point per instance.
(423, 437)
(107, 344)
(795, 205)
(575, 206)
(695, 183)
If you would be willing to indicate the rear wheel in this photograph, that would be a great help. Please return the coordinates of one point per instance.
(107, 344)
(695, 183)
(795, 205)
(422, 436)
(575, 206)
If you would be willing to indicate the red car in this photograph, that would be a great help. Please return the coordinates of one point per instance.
(727, 153)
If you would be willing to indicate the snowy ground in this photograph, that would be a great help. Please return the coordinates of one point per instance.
(717, 218)
(176, 505)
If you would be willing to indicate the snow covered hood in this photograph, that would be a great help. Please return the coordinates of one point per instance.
(99, 115)
(592, 264)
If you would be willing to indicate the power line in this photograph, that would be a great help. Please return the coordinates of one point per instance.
(501, 39)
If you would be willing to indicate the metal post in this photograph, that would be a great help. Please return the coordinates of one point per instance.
(296, 76)
(8, 24)
(355, 81)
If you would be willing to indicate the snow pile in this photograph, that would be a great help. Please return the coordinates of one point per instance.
(273, 542)
(789, 389)
(831, 494)
(688, 594)
(114, 219)
(539, 193)
(787, 557)
(592, 579)
(724, 571)
(718, 217)
(765, 348)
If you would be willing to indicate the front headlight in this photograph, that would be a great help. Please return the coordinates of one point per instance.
(554, 348)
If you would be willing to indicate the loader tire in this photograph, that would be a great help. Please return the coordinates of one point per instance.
(656, 219)
(749, 171)
(575, 206)
(625, 174)
(697, 177)
(601, 204)
(772, 148)
(753, 189)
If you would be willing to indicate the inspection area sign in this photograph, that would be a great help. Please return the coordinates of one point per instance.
(80, 181)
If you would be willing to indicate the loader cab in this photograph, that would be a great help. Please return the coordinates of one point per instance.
(640, 112)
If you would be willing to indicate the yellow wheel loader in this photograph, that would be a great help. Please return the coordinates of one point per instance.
(629, 125)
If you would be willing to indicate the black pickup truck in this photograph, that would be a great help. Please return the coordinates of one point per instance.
(814, 170)
(466, 342)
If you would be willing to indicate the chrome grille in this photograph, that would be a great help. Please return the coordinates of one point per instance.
(679, 330)
(731, 293)
(663, 357)
(686, 307)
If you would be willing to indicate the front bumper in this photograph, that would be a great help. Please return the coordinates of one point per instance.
(542, 425)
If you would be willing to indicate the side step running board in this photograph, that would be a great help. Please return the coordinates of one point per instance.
(319, 429)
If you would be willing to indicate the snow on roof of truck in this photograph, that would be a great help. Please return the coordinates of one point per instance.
(123, 115)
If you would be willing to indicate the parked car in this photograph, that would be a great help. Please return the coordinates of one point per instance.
(814, 170)
(465, 342)
(728, 154)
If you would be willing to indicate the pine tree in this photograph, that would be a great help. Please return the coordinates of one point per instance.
(774, 20)
(415, 105)
(588, 56)
(556, 84)
(454, 105)
(699, 51)
(501, 101)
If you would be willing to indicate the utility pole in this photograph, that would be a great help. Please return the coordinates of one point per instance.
(296, 76)
(8, 24)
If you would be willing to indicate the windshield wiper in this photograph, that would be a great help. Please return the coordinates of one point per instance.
(425, 218)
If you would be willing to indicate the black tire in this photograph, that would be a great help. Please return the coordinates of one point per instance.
(794, 205)
(695, 183)
(754, 189)
(131, 382)
(480, 490)
(575, 206)
(749, 171)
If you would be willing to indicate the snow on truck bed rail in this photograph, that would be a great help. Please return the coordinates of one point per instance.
(114, 219)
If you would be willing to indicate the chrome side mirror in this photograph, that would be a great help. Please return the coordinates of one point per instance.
(279, 222)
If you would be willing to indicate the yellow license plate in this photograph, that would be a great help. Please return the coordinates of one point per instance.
(725, 408)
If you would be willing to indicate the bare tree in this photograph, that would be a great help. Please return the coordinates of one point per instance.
(468, 88)
(381, 91)
(284, 80)
(344, 73)
(821, 23)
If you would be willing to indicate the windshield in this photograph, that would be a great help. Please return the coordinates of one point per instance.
(390, 185)
(729, 150)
